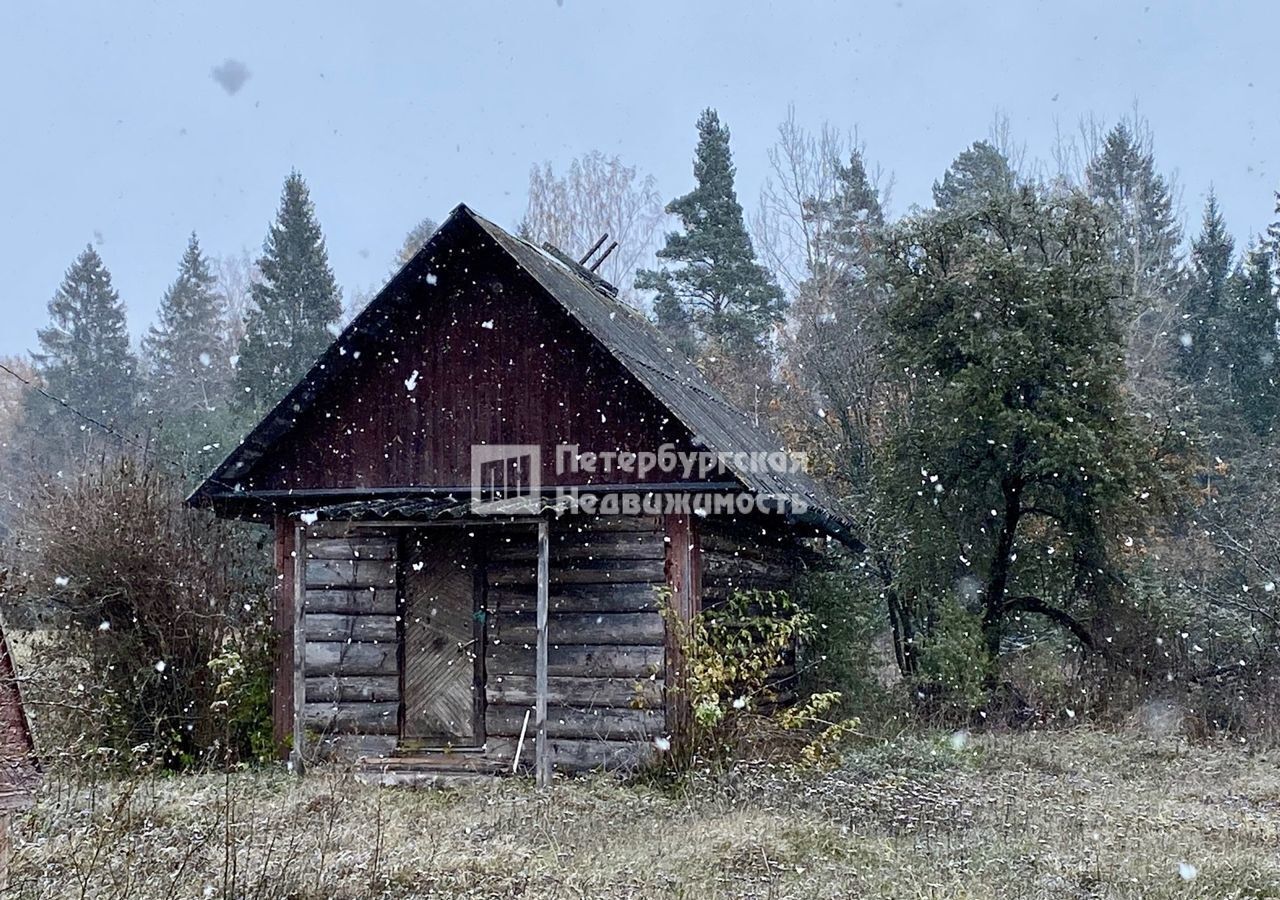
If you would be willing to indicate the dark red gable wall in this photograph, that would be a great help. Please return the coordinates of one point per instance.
(497, 362)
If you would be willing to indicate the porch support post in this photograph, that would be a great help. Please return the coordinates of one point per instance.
(684, 582)
(282, 625)
(542, 753)
(300, 648)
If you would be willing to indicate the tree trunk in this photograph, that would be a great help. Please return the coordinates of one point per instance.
(1001, 565)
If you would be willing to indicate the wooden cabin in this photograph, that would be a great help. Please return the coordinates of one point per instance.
(482, 492)
(19, 766)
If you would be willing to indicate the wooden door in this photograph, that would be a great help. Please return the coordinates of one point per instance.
(442, 640)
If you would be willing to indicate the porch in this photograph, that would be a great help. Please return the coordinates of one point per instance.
(430, 652)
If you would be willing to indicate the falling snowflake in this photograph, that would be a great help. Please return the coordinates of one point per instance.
(160, 666)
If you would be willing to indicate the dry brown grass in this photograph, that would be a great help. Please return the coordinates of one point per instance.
(1067, 814)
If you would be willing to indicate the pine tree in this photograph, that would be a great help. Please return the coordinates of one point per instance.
(712, 287)
(1205, 300)
(293, 306)
(976, 176)
(84, 357)
(187, 351)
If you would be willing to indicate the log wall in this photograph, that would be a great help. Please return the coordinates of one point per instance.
(351, 640)
(746, 554)
(750, 554)
(608, 653)
(606, 658)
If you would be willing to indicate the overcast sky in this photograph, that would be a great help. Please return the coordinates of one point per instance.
(116, 130)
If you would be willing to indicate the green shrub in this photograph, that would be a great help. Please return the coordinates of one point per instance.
(160, 650)
(739, 681)
(954, 665)
(838, 650)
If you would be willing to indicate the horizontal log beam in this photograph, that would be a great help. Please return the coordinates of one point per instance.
(569, 755)
(366, 601)
(352, 718)
(579, 572)
(606, 723)
(353, 688)
(565, 690)
(642, 629)
(333, 627)
(577, 598)
(354, 746)
(352, 548)
(582, 661)
(342, 658)
(348, 573)
(635, 545)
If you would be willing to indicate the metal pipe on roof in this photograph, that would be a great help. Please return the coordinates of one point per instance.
(595, 265)
(594, 247)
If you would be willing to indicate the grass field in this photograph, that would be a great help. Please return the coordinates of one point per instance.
(1066, 814)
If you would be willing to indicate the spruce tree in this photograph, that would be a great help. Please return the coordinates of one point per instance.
(1204, 301)
(1247, 336)
(1123, 180)
(84, 357)
(187, 351)
(976, 176)
(292, 307)
(712, 289)
(413, 241)
(1144, 237)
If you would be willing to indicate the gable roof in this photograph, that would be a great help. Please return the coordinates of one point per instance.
(626, 334)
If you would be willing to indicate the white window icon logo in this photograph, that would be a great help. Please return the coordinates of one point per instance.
(506, 479)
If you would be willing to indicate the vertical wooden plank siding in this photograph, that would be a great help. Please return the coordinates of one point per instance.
(542, 752)
(299, 642)
(282, 625)
(684, 582)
